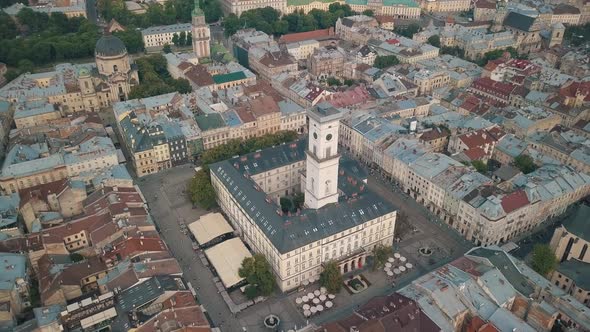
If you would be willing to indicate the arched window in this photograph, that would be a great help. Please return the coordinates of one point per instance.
(115, 68)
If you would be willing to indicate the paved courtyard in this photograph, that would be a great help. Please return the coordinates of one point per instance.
(169, 205)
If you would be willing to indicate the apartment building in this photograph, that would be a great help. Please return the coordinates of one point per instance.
(572, 276)
(239, 6)
(158, 36)
(566, 14)
(445, 6)
(326, 62)
(271, 62)
(565, 147)
(401, 9)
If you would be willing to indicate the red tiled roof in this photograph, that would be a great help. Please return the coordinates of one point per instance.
(263, 106)
(572, 89)
(191, 317)
(514, 201)
(475, 153)
(131, 247)
(434, 134)
(384, 19)
(308, 35)
(245, 114)
(40, 192)
(485, 4)
(478, 138)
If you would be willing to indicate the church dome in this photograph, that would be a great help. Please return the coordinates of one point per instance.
(109, 45)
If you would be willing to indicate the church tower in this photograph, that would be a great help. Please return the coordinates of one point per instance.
(201, 33)
(321, 179)
(499, 15)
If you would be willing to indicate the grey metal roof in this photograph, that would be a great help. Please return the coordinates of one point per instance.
(141, 294)
(578, 224)
(578, 271)
(288, 232)
(519, 21)
(109, 45)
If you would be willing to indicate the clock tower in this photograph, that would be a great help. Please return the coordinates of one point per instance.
(321, 179)
(200, 32)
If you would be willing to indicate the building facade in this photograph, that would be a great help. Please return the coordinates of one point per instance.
(297, 251)
(201, 33)
(162, 35)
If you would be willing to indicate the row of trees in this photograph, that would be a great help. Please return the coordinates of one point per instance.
(407, 31)
(200, 188)
(155, 78)
(173, 11)
(269, 20)
(44, 39)
(182, 39)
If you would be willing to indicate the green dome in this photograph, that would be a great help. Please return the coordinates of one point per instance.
(83, 72)
(109, 45)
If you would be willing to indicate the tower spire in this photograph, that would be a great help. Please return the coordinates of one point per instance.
(197, 11)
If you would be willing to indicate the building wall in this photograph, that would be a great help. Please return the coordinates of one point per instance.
(36, 119)
(239, 6)
(348, 247)
(12, 185)
(568, 246)
(569, 286)
(446, 6)
(161, 39)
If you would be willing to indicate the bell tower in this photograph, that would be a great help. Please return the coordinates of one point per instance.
(200, 32)
(322, 160)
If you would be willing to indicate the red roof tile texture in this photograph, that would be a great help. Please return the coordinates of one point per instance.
(308, 35)
(514, 201)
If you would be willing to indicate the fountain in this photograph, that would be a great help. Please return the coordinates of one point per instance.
(272, 321)
(425, 251)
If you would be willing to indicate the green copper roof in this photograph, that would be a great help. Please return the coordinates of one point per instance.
(306, 2)
(197, 11)
(357, 2)
(407, 3)
(224, 78)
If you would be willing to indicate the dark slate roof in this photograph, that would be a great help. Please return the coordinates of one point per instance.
(519, 21)
(288, 232)
(147, 291)
(578, 223)
(109, 45)
(578, 271)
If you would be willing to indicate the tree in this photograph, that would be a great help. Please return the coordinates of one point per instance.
(385, 61)
(577, 35)
(182, 38)
(525, 163)
(380, 255)
(333, 81)
(407, 31)
(544, 260)
(76, 257)
(454, 51)
(348, 82)
(368, 12)
(331, 278)
(175, 39)
(434, 40)
(480, 166)
(132, 40)
(201, 190)
(299, 200)
(257, 272)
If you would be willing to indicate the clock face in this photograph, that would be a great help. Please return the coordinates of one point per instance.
(328, 137)
(315, 135)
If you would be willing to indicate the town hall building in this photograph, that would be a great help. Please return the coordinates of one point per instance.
(341, 219)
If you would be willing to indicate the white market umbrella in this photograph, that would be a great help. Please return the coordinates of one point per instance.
(310, 295)
(306, 306)
(329, 304)
(390, 273)
(385, 269)
(316, 292)
(402, 269)
(396, 255)
(305, 299)
(311, 280)
(305, 282)
(402, 259)
(409, 265)
(313, 310)
(316, 301)
(323, 290)
(298, 300)
(396, 271)
(331, 296)
(391, 259)
(307, 313)
(320, 307)
(388, 265)
(322, 297)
